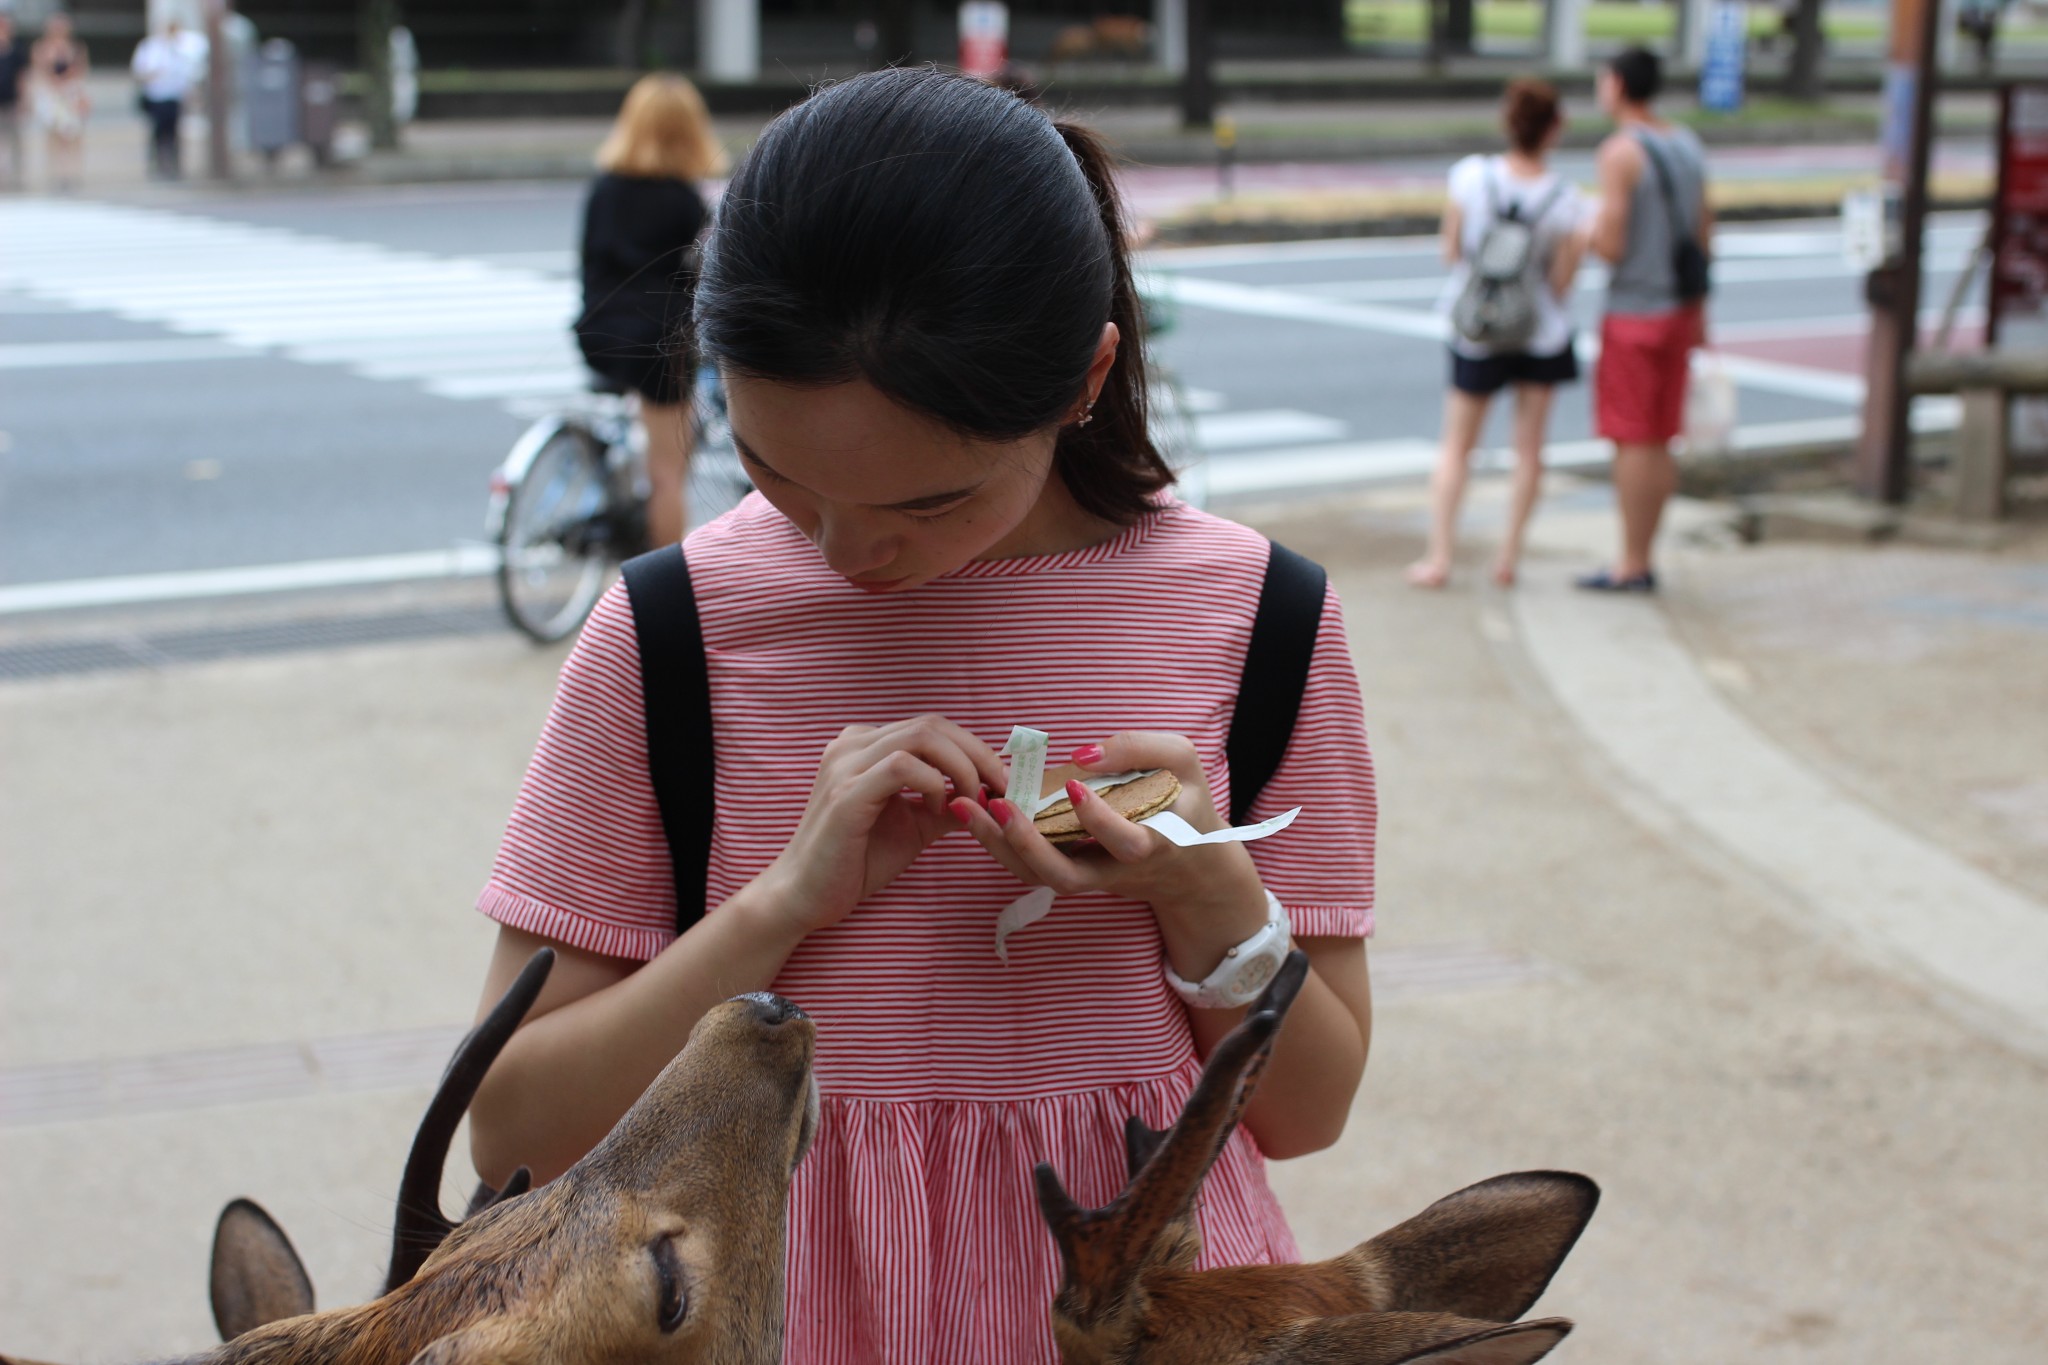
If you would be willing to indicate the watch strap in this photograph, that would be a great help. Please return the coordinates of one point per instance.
(1245, 968)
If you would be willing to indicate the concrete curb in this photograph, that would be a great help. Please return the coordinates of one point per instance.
(1898, 900)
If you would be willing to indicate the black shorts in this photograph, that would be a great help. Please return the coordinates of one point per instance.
(1483, 376)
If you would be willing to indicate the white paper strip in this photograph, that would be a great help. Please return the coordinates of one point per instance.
(1187, 836)
(1026, 752)
(1028, 908)
(1036, 904)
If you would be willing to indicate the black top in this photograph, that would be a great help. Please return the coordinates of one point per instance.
(13, 61)
(637, 235)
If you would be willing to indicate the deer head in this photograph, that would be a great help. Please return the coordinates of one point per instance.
(662, 1246)
(1446, 1286)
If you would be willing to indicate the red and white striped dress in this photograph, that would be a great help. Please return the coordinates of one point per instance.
(914, 1234)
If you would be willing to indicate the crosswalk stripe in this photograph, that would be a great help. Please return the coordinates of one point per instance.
(457, 327)
(1264, 426)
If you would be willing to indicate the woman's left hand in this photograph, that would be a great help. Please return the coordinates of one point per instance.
(1207, 894)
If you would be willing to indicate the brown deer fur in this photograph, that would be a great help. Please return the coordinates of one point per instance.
(682, 1207)
(1445, 1286)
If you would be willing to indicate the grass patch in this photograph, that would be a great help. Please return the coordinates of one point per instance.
(1820, 194)
(1383, 21)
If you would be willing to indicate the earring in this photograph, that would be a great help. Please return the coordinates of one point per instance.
(1087, 415)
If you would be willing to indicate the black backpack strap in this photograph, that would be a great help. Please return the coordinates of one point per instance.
(1275, 674)
(676, 696)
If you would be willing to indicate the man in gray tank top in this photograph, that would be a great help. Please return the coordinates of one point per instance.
(1653, 228)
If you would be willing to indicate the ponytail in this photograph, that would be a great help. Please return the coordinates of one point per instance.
(1111, 465)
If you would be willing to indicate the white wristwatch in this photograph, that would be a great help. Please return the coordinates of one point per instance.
(1245, 969)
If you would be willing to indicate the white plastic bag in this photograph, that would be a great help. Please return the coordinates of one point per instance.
(1710, 407)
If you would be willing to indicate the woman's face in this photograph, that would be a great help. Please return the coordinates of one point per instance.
(892, 498)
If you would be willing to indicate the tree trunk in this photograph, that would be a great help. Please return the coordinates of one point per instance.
(1198, 84)
(1802, 68)
(374, 21)
(1460, 26)
(898, 32)
(630, 50)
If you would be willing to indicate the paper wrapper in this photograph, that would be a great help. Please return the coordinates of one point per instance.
(1026, 750)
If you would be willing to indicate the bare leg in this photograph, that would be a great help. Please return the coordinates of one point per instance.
(668, 470)
(1645, 477)
(1532, 425)
(1464, 414)
(66, 161)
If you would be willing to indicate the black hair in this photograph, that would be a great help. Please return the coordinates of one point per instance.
(1640, 72)
(950, 244)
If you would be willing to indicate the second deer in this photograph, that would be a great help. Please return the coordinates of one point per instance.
(1444, 1287)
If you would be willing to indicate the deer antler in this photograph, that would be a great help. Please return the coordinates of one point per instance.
(419, 1225)
(1103, 1251)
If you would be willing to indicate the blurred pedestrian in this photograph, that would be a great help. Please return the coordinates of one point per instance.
(165, 66)
(1511, 234)
(641, 222)
(1977, 20)
(58, 65)
(13, 65)
(1655, 229)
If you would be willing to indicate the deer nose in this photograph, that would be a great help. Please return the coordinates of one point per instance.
(773, 1009)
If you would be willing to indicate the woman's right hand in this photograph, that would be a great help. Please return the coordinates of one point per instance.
(879, 800)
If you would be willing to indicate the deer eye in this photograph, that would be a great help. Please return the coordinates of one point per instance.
(668, 1274)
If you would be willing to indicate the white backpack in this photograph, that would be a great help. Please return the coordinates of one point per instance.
(1497, 307)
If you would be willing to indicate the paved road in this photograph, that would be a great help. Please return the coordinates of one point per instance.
(332, 377)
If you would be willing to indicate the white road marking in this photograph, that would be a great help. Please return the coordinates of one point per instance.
(1268, 426)
(460, 327)
(71, 355)
(1254, 472)
(462, 561)
(1226, 296)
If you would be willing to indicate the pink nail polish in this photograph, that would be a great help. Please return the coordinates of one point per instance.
(981, 797)
(1001, 810)
(1077, 792)
(962, 809)
(1087, 754)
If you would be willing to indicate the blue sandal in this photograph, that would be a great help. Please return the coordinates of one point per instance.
(1603, 581)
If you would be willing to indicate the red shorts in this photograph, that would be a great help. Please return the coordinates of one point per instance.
(1639, 384)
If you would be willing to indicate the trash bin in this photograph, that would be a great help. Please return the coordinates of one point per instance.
(270, 99)
(319, 109)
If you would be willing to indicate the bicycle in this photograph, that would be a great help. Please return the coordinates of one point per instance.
(569, 503)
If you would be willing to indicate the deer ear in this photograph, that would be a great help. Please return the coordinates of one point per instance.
(1516, 1344)
(1486, 1252)
(1415, 1338)
(492, 1341)
(256, 1277)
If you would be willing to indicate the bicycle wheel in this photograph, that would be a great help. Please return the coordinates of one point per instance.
(556, 545)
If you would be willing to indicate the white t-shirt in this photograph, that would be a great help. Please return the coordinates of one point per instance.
(1480, 186)
(168, 65)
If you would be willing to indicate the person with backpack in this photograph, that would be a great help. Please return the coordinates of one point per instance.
(774, 759)
(1511, 236)
(1654, 227)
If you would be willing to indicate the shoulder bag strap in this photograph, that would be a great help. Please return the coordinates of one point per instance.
(1662, 169)
(1275, 674)
(676, 696)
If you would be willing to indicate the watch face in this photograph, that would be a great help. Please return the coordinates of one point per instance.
(1255, 975)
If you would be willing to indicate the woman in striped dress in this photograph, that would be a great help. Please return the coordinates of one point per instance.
(917, 291)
